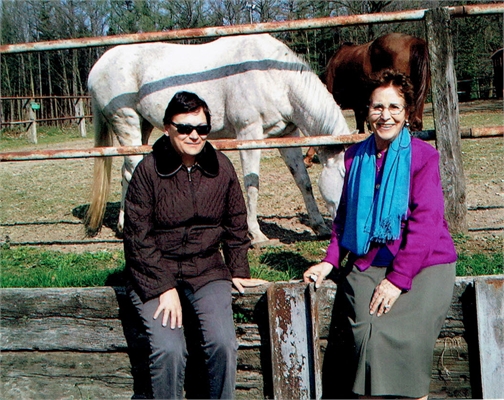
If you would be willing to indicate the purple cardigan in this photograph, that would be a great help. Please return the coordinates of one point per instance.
(425, 240)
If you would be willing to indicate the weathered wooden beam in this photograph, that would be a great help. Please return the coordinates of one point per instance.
(490, 313)
(446, 117)
(295, 347)
(116, 366)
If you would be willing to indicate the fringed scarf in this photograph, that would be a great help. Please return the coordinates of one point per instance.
(376, 217)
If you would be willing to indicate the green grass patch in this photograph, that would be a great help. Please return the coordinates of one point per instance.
(33, 267)
(480, 264)
(13, 139)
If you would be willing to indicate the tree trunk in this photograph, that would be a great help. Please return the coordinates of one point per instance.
(446, 117)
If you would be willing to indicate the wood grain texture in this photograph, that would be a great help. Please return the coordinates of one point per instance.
(89, 343)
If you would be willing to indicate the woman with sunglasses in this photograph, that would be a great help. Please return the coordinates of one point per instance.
(397, 284)
(186, 243)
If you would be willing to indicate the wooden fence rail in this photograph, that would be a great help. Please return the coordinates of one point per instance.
(88, 343)
(36, 109)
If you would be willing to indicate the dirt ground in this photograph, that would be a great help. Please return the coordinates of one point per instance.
(43, 202)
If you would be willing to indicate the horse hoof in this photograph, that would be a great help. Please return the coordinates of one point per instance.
(323, 236)
(92, 232)
(323, 232)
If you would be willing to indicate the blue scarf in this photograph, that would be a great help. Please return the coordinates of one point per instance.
(377, 217)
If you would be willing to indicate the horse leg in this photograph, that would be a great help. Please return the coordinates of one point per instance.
(293, 157)
(331, 178)
(129, 164)
(360, 118)
(250, 160)
(127, 127)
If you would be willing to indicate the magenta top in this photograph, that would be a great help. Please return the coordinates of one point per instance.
(425, 240)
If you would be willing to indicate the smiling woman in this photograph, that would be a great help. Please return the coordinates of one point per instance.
(400, 253)
(389, 110)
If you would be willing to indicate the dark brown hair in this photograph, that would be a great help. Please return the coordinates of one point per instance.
(390, 77)
(184, 103)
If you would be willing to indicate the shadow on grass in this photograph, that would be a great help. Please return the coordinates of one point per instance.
(109, 220)
(288, 236)
(286, 261)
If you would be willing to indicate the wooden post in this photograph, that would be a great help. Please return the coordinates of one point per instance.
(490, 316)
(295, 343)
(446, 117)
(31, 116)
(79, 114)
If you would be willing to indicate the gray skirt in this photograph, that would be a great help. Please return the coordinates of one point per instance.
(394, 352)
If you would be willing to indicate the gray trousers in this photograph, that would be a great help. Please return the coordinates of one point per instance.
(212, 306)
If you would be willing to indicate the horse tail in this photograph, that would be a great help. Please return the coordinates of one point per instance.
(420, 76)
(101, 175)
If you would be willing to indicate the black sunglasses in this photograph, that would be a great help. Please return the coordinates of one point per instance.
(185, 129)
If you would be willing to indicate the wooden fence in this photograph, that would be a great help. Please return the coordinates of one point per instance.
(44, 109)
(88, 343)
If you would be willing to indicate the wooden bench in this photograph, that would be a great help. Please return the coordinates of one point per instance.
(88, 343)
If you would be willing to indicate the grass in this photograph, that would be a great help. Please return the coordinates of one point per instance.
(488, 260)
(33, 267)
(14, 139)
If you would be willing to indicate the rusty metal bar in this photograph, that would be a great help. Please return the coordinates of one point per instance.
(316, 23)
(482, 132)
(230, 144)
(223, 144)
(465, 133)
(44, 97)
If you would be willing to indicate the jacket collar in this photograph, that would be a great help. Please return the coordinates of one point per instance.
(168, 161)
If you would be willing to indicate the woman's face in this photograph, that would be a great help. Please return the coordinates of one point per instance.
(188, 145)
(387, 115)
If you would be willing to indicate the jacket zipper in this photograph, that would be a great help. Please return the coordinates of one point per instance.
(189, 173)
(179, 263)
(192, 191)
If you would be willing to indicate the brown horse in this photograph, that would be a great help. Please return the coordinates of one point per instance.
(349, 69)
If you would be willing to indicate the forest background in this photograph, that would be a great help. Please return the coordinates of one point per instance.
(64, 72)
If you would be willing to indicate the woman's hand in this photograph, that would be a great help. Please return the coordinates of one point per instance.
(240, 283)
(317, 273)
(169, 305)
(384, 297)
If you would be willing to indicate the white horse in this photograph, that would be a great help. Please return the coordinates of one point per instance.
(255, 87)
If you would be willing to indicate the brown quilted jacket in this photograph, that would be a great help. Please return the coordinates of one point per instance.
(183, 225)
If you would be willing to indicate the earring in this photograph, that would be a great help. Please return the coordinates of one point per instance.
(407, 124)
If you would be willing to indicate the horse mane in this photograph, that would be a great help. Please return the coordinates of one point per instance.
(317, 101)
(312, 96)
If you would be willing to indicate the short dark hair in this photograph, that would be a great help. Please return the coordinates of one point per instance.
(184, 103)
(390, 77)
